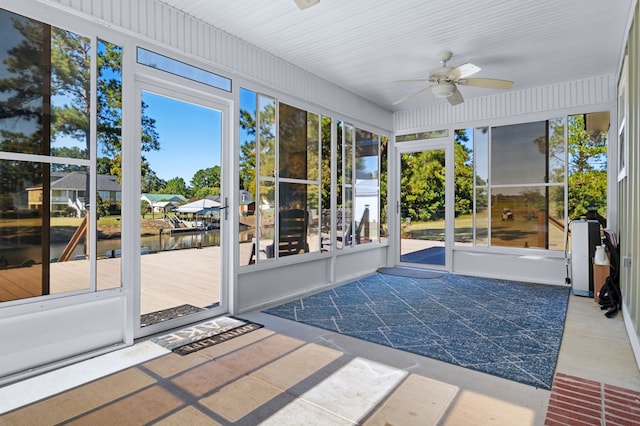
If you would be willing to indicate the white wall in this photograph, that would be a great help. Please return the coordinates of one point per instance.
(45, 333)
(261, 287)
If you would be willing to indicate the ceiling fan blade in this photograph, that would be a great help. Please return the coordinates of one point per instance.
(304, 4)
(411, 95)
(490, 83)
(455, 98)
(463, 71)
(419, 80)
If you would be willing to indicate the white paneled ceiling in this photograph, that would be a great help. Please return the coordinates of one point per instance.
(366, 45)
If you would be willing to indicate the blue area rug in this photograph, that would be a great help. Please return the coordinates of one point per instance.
(504, 328)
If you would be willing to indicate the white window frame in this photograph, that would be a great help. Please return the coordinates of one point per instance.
(623, 112)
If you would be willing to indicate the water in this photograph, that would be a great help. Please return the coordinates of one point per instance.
(16, 256)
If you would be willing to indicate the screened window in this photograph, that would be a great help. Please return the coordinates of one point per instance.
(286, 173)
(518, 198)
(623, 105)
(384, 184)
(299, 182)
(45, 216)
(367, 186)
(519, 153)
(359, 180)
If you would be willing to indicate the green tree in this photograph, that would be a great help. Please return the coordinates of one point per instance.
(384, 184)
(204, 192)
(102, 208)
(22, 104)
(423, 184)
(587, 168)
(110, 116)
(463, 174)
(145, 208)
(67, 152)
(325, 169)
(68, 83)
(70, 58)
(177, 185)
(206, 178)
(23, 79)
(150, 182)
(71, 79)
(103, 165)
(248, 150)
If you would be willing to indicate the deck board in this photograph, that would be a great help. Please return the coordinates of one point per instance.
(169, 279)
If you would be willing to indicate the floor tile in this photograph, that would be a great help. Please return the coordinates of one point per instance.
(302, 412)
(44, 385)
(296, 366)
(260, 353)
(240, 398)
(188, 416)
(139, 408)
(172, 364)
(417, 401)
(75, 402)
(205, 378)
(472, 408)
(355, 389)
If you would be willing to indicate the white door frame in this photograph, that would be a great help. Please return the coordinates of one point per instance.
(184, 90)
(445, 143)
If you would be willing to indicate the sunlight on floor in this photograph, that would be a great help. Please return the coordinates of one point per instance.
(468, 405)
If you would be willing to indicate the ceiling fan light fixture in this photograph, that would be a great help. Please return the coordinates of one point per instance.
(304, 4)
(443, 89)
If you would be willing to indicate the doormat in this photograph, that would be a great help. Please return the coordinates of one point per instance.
(217, 338)
(205, 330)
(410, 272)
(167, 314)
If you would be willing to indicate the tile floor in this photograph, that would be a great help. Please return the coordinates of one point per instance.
(289, 373)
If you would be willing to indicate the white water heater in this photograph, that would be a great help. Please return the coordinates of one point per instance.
(585, 236)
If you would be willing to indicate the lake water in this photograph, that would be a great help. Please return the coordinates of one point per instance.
(165, 241)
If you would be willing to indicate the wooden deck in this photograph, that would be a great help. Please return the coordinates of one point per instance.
(169, 279)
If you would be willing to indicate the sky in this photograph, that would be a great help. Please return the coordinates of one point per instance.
(190, 137)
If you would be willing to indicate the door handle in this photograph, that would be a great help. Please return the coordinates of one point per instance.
(225, 208)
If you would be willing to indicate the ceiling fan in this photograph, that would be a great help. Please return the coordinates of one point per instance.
(444, 80)
(304, 4)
